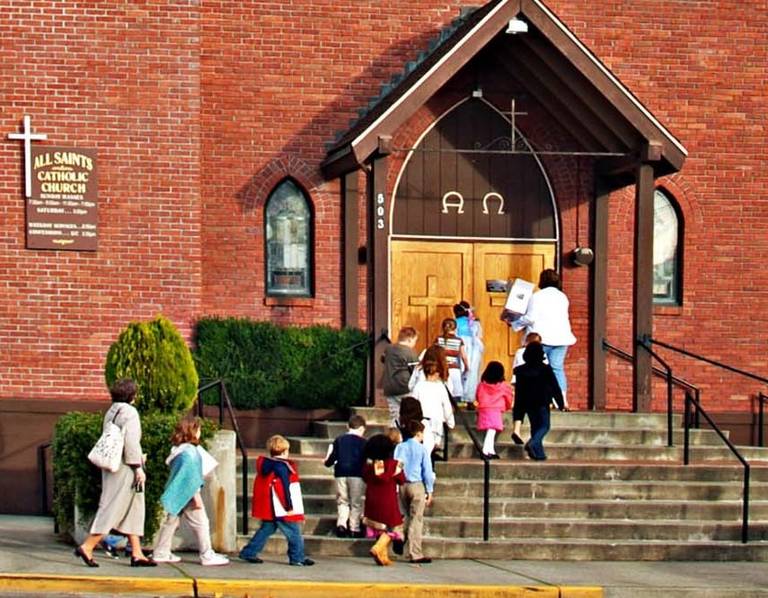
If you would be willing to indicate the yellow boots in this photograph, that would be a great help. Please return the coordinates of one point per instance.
(380, 550)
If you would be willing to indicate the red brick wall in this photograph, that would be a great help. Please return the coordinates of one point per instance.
(199, 109)
(701, 69)
(123, 78)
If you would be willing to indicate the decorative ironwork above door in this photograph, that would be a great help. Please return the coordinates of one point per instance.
(447, 193)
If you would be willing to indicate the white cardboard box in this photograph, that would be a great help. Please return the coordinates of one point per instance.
(518, 296)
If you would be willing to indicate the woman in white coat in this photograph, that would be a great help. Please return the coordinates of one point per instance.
(547, 315)
(121, 505)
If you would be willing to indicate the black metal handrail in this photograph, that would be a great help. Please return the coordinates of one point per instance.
(671, 380)
(690, 400)
(693, 399)
(762, 399)
(715, 363)
(224, 401)
(486, 468)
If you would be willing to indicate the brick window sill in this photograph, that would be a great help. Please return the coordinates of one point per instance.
(667, 310)
(289, 301)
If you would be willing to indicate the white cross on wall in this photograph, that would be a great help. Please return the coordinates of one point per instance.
(28, 137)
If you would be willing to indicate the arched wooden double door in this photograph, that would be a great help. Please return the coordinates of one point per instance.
(472, 204)
(429, 277)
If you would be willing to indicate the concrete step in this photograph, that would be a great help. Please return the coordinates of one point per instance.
(567, 452)
(326, 431)
(543, 549)
(471, 469)
(594, 489)
(633, 510)
(530, 528)
(563, 508)
(571, 419)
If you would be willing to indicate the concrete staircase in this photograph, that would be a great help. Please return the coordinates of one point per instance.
(610, 490)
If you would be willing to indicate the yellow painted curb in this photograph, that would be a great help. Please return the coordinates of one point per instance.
(26, 582)
(221, 588)
(308, 589)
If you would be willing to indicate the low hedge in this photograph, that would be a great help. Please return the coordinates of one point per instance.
(265, 365)
(76, 480)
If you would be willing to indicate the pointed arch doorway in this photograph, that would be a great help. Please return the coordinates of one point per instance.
(463, 220)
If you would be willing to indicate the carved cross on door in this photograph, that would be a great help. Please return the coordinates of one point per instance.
(431, 300)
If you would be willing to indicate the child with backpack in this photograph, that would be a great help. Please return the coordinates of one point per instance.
(277, 502)
(181, 498)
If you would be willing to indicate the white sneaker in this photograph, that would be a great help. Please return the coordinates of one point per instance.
(211, 559)
(166, 558)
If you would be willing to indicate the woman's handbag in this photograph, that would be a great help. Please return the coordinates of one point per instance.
(107, 453)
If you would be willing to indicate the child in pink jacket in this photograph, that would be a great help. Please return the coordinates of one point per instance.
(493, 397)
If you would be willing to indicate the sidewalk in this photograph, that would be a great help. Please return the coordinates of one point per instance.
(34, 560)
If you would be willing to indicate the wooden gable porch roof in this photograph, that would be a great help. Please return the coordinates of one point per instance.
(550, 62)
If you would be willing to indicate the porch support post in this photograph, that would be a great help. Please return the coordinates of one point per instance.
(599, 290)
(378, 263)
(642, 297)
(351, 211)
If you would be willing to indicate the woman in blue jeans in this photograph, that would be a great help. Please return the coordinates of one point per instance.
(547, 315)
(535, 387)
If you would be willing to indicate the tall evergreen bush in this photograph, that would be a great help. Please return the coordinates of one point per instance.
(157, 358)
(265, 365)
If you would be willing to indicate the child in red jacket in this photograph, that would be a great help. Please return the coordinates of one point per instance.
(277, 502)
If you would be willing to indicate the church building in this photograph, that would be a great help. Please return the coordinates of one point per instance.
(370, 164)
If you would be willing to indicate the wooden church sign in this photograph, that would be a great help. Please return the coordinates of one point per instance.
(62, 208)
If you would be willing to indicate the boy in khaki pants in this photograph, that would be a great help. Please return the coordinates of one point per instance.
(417, 492)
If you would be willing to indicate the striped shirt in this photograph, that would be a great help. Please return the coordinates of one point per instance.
(452, 345)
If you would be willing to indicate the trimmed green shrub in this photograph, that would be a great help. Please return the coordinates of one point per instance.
(265, 365)
(77, 481)
(156, 357)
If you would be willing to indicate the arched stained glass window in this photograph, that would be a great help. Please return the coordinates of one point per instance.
(667, 250)
(288, 223)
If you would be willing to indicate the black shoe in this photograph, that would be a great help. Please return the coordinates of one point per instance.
(516, 439)
(342, 532)
(143, 563)
(422, 561)
(398, 546)
(529, 450)
(304, 563)
(110, 550)
(360, 533)
(88, 561)
(250, 559)
(493, 456)
(129, 551)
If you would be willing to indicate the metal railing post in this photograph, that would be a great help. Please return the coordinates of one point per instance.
(687, 429)
(696, 414)
(761, 398)
(745, 507)
(486, 498)
(670, 439)
(221, 403)
(446, 431)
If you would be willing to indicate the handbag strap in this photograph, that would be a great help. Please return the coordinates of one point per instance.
(114, 417)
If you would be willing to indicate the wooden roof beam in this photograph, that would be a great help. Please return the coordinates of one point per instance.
(546, 56)
(526, 61)
(605, 81)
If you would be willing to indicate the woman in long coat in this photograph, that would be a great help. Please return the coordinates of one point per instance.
(121, 506)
